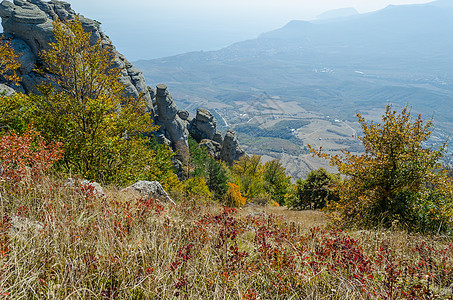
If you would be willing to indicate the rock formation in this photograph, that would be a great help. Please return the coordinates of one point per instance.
(231, 151)
(171, 125)
(177, 124)
(204, 125)
(28, 24)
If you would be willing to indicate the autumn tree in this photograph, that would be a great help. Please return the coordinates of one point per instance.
(276, 181)
(212, 172)
(396, 180)
(233, 196)
(104, 133)
(195, 187)
(216, 177)
(248, 173)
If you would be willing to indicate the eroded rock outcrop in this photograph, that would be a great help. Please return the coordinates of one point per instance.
(177, 124)
(29, 24)
(171, 125)
(231, 150)
(204, 126)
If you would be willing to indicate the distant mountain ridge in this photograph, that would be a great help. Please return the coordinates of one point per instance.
(401, 53)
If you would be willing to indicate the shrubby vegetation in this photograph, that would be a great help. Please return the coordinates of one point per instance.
(247, 180)
(396, 181)
(107, 137)
(61, 242)
(210, 173)
(261, 182)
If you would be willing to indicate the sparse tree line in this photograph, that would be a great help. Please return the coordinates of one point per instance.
(97, 133)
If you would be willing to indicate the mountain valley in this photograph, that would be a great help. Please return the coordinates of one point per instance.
(321, 73)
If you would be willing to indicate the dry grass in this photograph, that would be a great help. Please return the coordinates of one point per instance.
(305, 219)
(60, 242)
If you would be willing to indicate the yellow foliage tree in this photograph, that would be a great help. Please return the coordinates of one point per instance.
(233, 197)
(248, 172)
(9, 61)
(396, 179)
(196, 187)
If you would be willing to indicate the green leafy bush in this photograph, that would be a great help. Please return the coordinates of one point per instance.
(315, 191)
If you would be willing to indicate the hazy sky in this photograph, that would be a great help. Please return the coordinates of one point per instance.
(145, 29)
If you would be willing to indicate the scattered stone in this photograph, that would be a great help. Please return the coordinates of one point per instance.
(20, 224)
(98, 191)
(257, 214)
(150, 190)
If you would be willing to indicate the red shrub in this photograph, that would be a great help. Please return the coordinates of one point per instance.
(26, 158)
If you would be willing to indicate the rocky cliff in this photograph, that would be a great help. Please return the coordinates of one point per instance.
(29, 24)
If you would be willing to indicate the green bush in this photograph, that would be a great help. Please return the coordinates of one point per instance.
(397, 180)
(315, 191)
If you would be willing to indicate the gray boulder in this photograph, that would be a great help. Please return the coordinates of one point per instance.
(150, 190)
(97, 189)
(204, 126)
(6, 90)
(24, 225)
(231, 150)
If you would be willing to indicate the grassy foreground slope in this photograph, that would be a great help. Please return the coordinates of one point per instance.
(62, 242)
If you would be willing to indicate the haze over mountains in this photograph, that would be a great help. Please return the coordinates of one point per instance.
(338, 13)
(333, 67)
(399, 54)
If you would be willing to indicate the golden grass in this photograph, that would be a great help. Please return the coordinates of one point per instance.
(60, 242)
